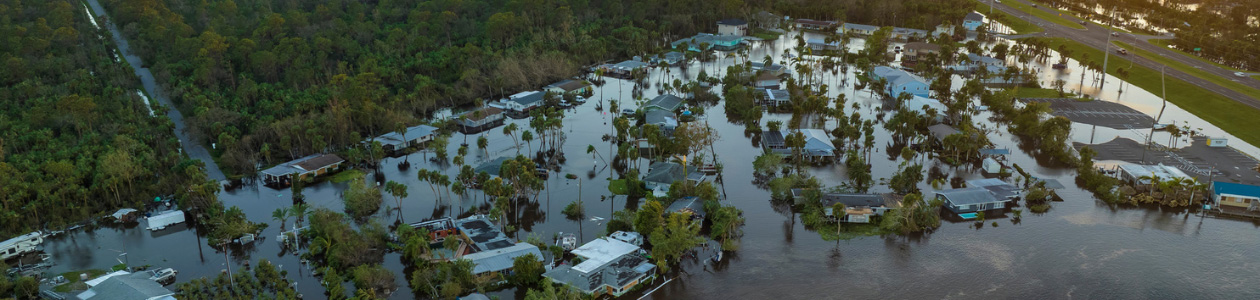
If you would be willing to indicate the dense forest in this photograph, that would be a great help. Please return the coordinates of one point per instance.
(75, 138)
(1224, 31)
(271, 80)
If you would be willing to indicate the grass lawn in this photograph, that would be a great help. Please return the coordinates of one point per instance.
(766, 34)
(1020, 26)
(1024, 92)
(1165, 43)
(1236, 118)
(347, 175)
(73, 280)
(1048, 16)
(1228, 83)
(618, 187)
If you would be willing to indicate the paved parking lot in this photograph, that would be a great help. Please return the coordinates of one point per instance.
(1198, 160)
(1101, 113)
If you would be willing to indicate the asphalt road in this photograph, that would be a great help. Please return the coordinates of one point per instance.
(1097, 36)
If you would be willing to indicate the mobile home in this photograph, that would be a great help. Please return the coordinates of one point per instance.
(20, 245)
(165, 219)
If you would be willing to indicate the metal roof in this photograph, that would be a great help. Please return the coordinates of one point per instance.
(127, 287)
(666, 102)
(502, 258)
(600, 252)
(999, 188)
(940, 131)
(569, 85)
(896, 77)
(660, 118)
(1160, 171)
(304, 165)
(968, 196)
(491, 167)
(412, 133)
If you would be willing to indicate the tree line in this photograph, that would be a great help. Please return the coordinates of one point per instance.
(76, 139)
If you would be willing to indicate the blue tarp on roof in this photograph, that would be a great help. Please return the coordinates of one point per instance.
(1235, 189)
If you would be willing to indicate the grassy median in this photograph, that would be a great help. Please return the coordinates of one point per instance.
(1236, 118)
(1020, 26)
(1045, 15)
(1167, 42)
(1228, 83)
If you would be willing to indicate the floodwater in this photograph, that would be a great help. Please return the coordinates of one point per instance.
(1080, 248)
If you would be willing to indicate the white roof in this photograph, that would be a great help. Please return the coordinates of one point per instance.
(600, 252)
(1159, 171)
(502, 258)
(98, 280)
(159, 222)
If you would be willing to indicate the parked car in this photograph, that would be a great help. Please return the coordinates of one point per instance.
(1240, 74)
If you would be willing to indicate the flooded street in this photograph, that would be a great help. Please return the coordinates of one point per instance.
(1082, 247)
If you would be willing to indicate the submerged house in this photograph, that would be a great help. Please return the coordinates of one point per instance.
(859, 29)
(818, 44)
(310, 166)
(997, 187)
(569, 86)
(818, 146)
(973, 20)
(609, 267)
(123, 285)
(734, 27)
(766, 81)
(908, 33)
(816, 25)
(501, 260)
(672, 58)
(439, 229)
(941, 131)
(774, 98)
(414, 135)
(707, 41)
(1236, 198)
(522, 102)
(481, 119)
(688, 205)
(661, 175)
(858, 208)
(915, 51)
(625, 69)
(971, 199)
(773, 68)
(901, 82)
(664, 120)
(926, 107)
(664, 102)
(1143, 174)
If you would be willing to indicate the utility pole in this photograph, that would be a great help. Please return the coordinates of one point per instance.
(1164, 87)
(1107, 47)
(227, 262)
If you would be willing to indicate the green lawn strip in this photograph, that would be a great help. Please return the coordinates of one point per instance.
(1225, 82)
(1166, 43)
(766, 34)
(72, 278)
(346, 175)
(1020, 26)
(1048, 16)
(618, 187)
(1236, 118)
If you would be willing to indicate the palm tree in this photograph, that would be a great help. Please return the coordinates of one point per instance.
(299, 212)
(528, 137)
(281, 215)
(510, 130)
(482, 143)
(399, 191)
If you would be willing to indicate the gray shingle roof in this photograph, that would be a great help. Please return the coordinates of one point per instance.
(668, 173)
(940, 131)
(974, 16)
(688, 204)
(871, 200)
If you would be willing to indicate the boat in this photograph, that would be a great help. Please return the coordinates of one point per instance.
(568, 241)
(164, 276)
(718, 257)
(21, 245)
